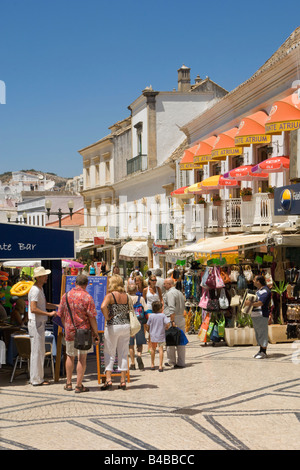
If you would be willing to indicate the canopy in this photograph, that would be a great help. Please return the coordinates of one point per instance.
(71, 263)
(245, 173)
(284, 115)
(225, 145)
(273, 165)
(221, 244)
(187, 161)
(252, 130)
(180, 193)
(21, 264)
(212, 183)
(134, 249)
(204, 149)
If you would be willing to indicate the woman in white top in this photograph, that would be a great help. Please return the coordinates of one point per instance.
(152, 293)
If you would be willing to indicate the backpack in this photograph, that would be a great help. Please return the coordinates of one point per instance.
(139, 311)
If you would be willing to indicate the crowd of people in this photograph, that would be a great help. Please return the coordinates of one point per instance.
(158, 304)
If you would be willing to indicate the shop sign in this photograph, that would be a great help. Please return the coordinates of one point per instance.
(232, 151)
(28, 242)
(190, 166)
(287, 200)
(252, 139)
(282, 126)
(203, 159)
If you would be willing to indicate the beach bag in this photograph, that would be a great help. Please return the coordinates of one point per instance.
(223, 301)
(221, 327)
(203, 329)
(211, 279)
(204, 299)
(135, 325)
(210, 329)
(241, 282)
(173, 335)
(214, 337)
(234, 275)
(183, 339)
(219, 280)
(204, 277)
(248, 273)
(235, 299)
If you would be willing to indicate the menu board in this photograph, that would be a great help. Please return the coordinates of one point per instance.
(97, 287)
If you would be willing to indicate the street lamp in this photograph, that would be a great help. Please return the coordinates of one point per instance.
(24, 215)
(59, 213)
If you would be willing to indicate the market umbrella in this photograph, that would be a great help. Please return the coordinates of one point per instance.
(245, 173)
(273, 165)
(215, 182)
(71, 264)
(180, 193)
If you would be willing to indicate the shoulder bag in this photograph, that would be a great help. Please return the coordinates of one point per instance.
(83, 338)
(135, 325)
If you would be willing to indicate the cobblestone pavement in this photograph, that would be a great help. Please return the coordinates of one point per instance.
(224, 400)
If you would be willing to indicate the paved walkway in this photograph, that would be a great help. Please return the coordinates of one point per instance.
(223, 399)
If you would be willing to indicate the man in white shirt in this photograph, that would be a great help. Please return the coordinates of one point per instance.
(37, 318)
(174, 305)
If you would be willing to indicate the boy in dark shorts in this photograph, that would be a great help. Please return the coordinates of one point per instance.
(157, 325)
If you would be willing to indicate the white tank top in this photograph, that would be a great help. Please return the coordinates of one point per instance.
(150, 298)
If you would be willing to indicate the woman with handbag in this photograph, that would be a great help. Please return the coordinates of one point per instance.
(116, 309)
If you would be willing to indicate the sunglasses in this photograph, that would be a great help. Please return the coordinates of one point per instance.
(153, 280)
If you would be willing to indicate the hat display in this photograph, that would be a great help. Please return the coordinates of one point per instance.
(40, 271)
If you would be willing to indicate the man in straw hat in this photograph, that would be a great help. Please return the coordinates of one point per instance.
(37, 316)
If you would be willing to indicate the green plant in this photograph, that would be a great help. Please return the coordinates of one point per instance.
(271, 189)
(246, 192)
(280, 288)
(243, 320)
(201, 200)
(216, 197)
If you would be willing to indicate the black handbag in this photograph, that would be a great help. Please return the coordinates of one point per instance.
(83, 338)
(213, 305)
(173, 336)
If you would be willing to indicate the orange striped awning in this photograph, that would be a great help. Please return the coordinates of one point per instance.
(203, 151)
(252, 130)
(284, 115)
(225, 145)
(187, 161)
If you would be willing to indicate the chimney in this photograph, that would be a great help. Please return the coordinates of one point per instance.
(184, 79)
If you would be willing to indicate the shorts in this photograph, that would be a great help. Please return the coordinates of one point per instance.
(139, 338)
(71, 351)
(159, 344)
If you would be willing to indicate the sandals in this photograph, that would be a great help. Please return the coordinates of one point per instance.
(81, 389)
(107, 386)
(140, 363)
(122, 386)
(68, 387)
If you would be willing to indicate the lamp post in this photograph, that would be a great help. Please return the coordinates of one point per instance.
(59, 213)
(24, 216)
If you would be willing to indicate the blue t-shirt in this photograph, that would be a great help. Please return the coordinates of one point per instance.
(263, 295)
(157, 323)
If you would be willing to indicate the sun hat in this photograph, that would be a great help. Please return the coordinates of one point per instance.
(40, 271)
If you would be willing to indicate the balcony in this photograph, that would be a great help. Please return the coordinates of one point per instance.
(233, 214)
(139, 163)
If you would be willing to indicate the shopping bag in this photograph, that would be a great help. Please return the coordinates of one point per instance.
(204, 299)
(214, 337)
(223, 301)
(221, 327)
(218, 277)
(203, 329)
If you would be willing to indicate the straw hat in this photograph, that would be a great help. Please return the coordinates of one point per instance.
(40, 271)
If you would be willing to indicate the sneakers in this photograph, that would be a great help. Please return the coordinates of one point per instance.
(260, 355)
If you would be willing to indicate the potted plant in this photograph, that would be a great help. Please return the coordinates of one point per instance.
(277, 332)
(270, 190)
(216, 200)
(243, 332)
(246, 194)
(202, 201)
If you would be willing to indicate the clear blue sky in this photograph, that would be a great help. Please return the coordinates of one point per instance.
(71, 67)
